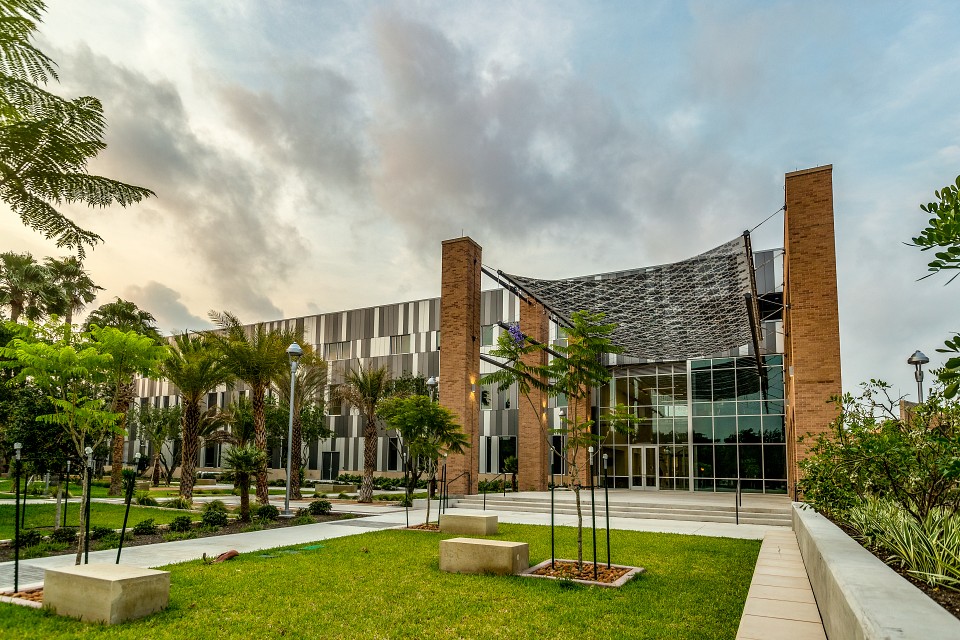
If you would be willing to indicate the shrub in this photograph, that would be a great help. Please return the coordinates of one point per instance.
(266, 513)
(99, 532)
(178, 503)
(215, 505)
(64, 535)
(35, 489)
(30, 537)
(320, 507)
(303, 519)
(214, 518)
(145, 528)
(253, 527)
(143, 498)
(319, 495)
(181, 524)
(342, 496)
(173, 536)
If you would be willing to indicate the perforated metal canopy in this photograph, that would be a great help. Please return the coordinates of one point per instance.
(687, 309)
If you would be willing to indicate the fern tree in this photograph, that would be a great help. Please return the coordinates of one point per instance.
(46, 141)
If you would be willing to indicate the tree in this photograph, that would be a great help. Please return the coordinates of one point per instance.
(311, 379)
(125, 316)
(131, 354)
(46, 141)
(943, 232)
(24, 285)
(364, 389)
(196, 367)
(70, 373)
(255, 358)
(245, 462)
(73, 287)
(158, 426)
(427, 431)
(574, 374)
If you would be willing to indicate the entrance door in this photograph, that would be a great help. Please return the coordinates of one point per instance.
(643, 468)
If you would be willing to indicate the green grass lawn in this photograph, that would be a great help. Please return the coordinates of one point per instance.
(100, 490)
(103, 515)
(387, 584)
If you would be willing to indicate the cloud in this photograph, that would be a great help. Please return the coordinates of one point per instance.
(166, 306)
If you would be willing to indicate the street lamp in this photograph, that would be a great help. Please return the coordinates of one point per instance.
(17, 446)
(432, 384)
(294, 351)
(86, 536)
(918, 359)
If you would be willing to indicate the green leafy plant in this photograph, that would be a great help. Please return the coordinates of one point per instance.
(215, 505)
(320, 507)
(181, 524)
(214, 518)
(30, 538)
(64, 535)
(266, 513)
(174, 536)
(145, 528)
(178, 503)
(99, 532)
(144, 499)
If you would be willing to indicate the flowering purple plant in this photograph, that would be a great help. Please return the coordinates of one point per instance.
(516, 334)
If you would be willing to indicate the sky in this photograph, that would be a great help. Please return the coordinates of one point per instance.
(310, 157)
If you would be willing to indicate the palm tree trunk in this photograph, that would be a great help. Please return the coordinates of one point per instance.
(188, 453)
(296, 458)
(121, 403)
(260, 439)
(243, 482)
(369, 459)
(156, 469)
(16, 308)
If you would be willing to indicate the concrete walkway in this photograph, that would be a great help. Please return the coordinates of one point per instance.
(780, 603)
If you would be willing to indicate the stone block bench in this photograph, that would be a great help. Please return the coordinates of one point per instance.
(334, 488)
(108, 593)
(471, 524)
(472, 555)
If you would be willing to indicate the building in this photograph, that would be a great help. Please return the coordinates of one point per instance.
(711, 414)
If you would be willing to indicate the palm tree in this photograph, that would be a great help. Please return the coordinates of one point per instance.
(364, 389)
(23, 285)
(73, 286)
(45, 140)
(308, 390)
(125, 316)
(245, 461)
(256, 358)
(195, 367)
(157, 426)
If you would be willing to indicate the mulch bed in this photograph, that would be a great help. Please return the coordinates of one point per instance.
(430, 526)
(34, 595)
(564, 569)
(6, 553)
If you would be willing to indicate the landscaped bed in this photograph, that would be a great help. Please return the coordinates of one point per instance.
(388, 584)
(101, 514)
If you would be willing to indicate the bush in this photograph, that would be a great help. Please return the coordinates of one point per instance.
(181, 524)
(215, 505)
(303, 519)
(320, 507)
(99, 532)
(266, 513)
(342, 496)
(277, 483)
(30, 537)
(64, 535)
(173, 536)
(178, 503)
(143, 499)
(145, 528)
(214, 518)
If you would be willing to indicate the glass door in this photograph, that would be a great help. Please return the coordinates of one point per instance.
(643, 468)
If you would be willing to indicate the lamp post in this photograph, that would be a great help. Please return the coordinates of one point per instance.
(17, 446)
(606, 504)
(918, 359)
(563, 415)
(66, 495)
(432, 384)
(294, 351)
(593, 510)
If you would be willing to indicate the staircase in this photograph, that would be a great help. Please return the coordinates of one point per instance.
(663, 506)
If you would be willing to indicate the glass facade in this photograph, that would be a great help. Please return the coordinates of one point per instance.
(702, 424)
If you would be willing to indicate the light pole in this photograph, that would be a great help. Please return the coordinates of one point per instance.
(294, 351)
(86, 533)
(17, 446)
(432, 384)
(918, 360)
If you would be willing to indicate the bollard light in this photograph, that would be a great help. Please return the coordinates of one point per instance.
(17, 446)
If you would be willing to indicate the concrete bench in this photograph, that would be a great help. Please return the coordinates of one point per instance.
(471, 555)
(334, 488)
(472, 524)
(108, 593)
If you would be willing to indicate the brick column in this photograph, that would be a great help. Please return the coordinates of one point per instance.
(460, 353)
(811, 320)
(533, 452)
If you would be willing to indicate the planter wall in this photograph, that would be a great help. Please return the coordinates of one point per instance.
(858, 595)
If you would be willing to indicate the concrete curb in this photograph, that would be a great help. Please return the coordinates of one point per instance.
(859, 596)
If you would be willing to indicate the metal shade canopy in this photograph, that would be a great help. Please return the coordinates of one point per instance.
(294, 351)
(918, 358)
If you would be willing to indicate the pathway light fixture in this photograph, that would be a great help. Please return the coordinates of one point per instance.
(294, 352)
(918, 359)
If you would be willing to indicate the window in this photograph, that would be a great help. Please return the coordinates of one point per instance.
(400, 344)
(487, 335)
(211, 400)
(338, 351)
(335, 404)
(393, 454)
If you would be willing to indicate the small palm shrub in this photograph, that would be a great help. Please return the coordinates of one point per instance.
(145, 528)
(143, 499)
(215, 505)
(320, 507)
(266, 513)
(181, 524)
(178, 503)
(214, 518)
